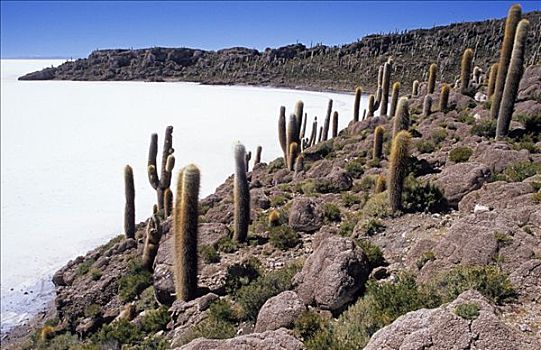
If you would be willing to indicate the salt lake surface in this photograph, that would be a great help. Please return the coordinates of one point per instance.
(64, 146)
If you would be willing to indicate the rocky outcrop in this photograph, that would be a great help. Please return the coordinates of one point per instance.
(305, 215)
(279, 311)
(460, 179)
(447, 327)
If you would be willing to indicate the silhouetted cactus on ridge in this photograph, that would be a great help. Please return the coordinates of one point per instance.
(241, 195)
(162, 182)
(129, 210)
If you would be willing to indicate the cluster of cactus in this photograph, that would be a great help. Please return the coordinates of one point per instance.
(241, 195)
(162, 182)
(129, 210)
(398, 168)
(292, 133)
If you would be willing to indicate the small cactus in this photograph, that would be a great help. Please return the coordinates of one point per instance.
(335, 124)
(299, 164)
(152, 242)
(492, 79)
(432, 71)
(465, 71)
(257, 159)
(241, 195)
(371, 106)
(394, 98)
(514, 74)
(398, 168)
(357, 104)
(293, 154)
(282, 131)
(427, 106)
(402, 117)
(386, 84)
(327, 123)
(274, 218)
(378, 143)
(129, 209)
(444, 97)
(185, 223)
(415, 88)
(513, 18)
(380, 184)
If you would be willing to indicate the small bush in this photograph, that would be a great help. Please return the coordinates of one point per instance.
(521, 171)
(425, 146)
(377, 206)
(531, 123)
(118, 333)
(155, 320)
(355, 168)
(468, 311)
(367, 183)
(283, 237)
(92, 310)
(485, 128)
(331, 212)
(84, 267)
(323, 185)
(279, 200)
(424, 258)
(308, 187)
(350, 199)
(372, 226)
(373, 253)
(222, 309)
(209, 254)
(536, 197)
(466, 117)
(242, 274)
(308, 324)
(419, 197)
(227, 245)
(136, 280)
(210, 328)
(95, 274)
(502, 239)
(276, 164)
(347, 227)
(460, 154)
(439, 135)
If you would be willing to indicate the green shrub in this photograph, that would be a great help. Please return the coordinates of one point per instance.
(468, 311)
(425, 146)
(95, 274)
(323, 185)
(350, 199)
(355, 168)
(377, 206)
(118, 333)
(536, 197)
(460, 154)
(347, 227)
(372, 226)
(502, 239)
(210, 328)
(331, 212)
(466, 117)
(419, 197)
(84, 267)
(209, 254)
(146, 300)
(367, 183)
(136, 280)
(521, 171)
(275, 165)
(283, 237)
(532, 123)
(242, 274)
(279, 200)
(308, 187)
(373, 253)
(92, 310)
(439, 135)
(424, 258)
(308, 324)
(155, 320)
(222, 309)
(227, 245)
(485, 128)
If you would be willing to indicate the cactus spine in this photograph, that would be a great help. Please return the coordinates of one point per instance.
(415, 88)
(465, 71)
(327, 123)
(511, 23)
(241, 195)
(163, 182)
(402, 117)
(335, 124)
(394, 98)
(397, 168)
(357, 104)
(378, 143)
(492, 79)
(371, 106)
(129, 209)
(152, 242)
(185, 236)
(282, 131)
(514, 74)
(432, 71)
(386, 84)
(444, 97)
(427, 106)
(257, 159)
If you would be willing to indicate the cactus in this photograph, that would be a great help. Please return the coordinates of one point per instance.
(241, 195)
(357, 104)
(379, 89)
(511, 23)
(299, 106)
(257, 159)
(293, 154)
(512, 81)
(292, 133)
(402, 117)
(477, 75)
(371, 106)
(129, 209)
(398, 168)
(155, 209)
(248, 157)
(386, 84)
(168, 202)
(492, 79)
(313, 135)
(304, 122)
(299, 164)
(163, 182)
(185, 223)
(319, 138)
(432, 71)
(378, 143)
(427, 106)
(274, 218)
(335, 124)
(152, 241)
(465, 71)
(380, 184)
(282, 131)
(444, 97)
(327, 123)
(415, 88)
(394, 98)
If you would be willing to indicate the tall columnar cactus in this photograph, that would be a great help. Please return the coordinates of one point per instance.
(513, 17)
(257, 159)
(129, 209)
(335, 124)
(379, 89)
(168, 202)
(415, 88)
(282, 131)
(394, 98)
(444, 97)
(398, 168)
(163, 182)
(313, 135)
(299, 164)
(241, 195)
(465, 71)
(152, 241)
(427, 106)
(357, 104)
(292, 133)
(371, 106)
(492, 79)
(402, 117)
(386, 84)
(320, 137)
(185, 223)
(512, 81)
(304, 122)
(477, 75)
(293, 154)
(432, 72)
(327, 123)
(248, 158)
(299, 107)
(378, 143)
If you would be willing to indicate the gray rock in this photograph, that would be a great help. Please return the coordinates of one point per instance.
(305, 215)
(498, 156)
(279, 311)
(457, 180)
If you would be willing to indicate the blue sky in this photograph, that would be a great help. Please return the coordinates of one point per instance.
(74, 29)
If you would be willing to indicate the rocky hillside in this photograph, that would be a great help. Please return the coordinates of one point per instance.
(319, 67)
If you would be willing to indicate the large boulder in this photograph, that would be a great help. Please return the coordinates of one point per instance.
(333, 275)
(443, 328)
(498, 156)
(279, 311)
(271, 340)
(305, 215)
(457, 180)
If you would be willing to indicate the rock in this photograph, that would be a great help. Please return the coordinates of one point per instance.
(498, 156)
(480, 209)
(259, 200)
(211, 233)
(528, 277)
(457, 180)
(442, 328)
(305, 215)
(279, 311)
(339, 180)
(270, 340)
(333, 274)
(530, 84)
